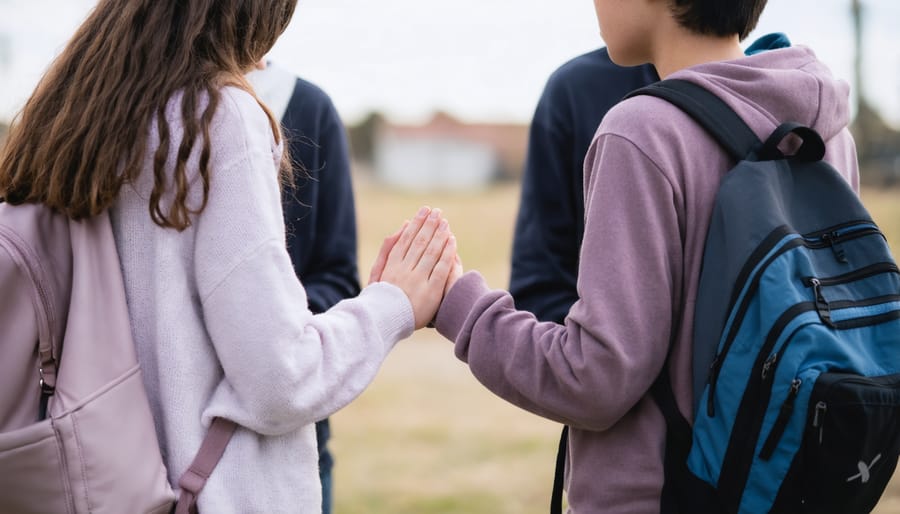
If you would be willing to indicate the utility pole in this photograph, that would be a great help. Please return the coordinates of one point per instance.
(856, 10)
(862, 122)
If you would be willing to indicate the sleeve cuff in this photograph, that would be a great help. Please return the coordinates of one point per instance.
(457, 304)
(394, 311)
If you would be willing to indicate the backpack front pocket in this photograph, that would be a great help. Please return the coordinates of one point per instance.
(850, 446)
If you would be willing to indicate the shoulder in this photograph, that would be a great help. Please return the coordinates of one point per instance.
(240, 118)
(647, 136)
(310, 104)
(587, 63)
(311, 111)
(595, 72)
(589, 85)
(236, 104)
(311, 93)
(648, 122)
(657, 131)
(579, 69)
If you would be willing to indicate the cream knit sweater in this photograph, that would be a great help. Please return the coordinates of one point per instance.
(222, 327)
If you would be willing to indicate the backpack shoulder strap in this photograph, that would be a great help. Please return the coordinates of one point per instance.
(211, 450)
(709, 111)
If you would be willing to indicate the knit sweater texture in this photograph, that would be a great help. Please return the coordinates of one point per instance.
(222, 324)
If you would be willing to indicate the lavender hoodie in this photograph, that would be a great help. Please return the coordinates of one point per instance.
(650, 179)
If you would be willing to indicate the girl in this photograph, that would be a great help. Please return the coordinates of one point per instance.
(147, 113)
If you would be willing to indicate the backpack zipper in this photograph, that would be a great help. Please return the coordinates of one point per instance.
(27, 261)
(817, 284)
(833, 237)
(778, 427)
(770, 364)
(819, 418)
(736, 464)
(815, 240)
(781, 422)
(859, 274)
(737, 461)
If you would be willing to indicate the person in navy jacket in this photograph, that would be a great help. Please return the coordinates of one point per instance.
(319, 212)
(550, 221)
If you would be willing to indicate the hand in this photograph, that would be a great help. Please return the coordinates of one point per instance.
(419, 259)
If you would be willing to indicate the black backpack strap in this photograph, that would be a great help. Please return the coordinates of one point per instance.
(709, 111)
(556, 498)
(682, 491)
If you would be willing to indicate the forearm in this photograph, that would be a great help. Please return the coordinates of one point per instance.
(572, 373)
(284, 367)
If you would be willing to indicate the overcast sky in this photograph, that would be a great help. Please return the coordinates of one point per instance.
(478, 59)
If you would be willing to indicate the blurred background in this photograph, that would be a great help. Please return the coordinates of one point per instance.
(437, 98)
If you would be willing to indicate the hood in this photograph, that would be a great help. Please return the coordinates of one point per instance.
(776, 86)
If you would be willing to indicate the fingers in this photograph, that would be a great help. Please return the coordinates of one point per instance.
(408, 235)
(422, 240)
(443, 266)
(414, 240)
(433, 248)
(386, 247)
(419, 259)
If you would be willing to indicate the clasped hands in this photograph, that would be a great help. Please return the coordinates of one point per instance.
(421, 259)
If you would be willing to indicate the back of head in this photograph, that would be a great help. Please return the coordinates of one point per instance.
(83, 133)
(718, 17)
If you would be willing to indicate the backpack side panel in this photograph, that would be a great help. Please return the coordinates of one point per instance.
(35, 277)
(97, 451)
(753, 213)
(20, 391)
(760, 322)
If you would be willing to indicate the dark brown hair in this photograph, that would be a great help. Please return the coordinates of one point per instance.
(719, 17)
(83, 133)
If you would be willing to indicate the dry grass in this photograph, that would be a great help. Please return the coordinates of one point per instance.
(884, 206)
(426, 438)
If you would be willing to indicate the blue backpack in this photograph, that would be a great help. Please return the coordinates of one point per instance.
(796, 351)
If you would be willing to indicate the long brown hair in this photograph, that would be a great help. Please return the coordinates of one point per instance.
(83, 133)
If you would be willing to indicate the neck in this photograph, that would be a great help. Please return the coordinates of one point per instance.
(684, 49)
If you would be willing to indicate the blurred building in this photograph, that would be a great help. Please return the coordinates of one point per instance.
(442, 154)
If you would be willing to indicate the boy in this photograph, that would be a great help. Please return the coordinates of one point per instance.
(651, 175)
(550, 222)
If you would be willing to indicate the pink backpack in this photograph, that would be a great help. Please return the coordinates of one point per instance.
(76, 432)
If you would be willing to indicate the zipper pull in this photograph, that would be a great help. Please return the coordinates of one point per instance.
(832, 239)
(781, 422)
(819, 418)
(767, 366)
(822, 306)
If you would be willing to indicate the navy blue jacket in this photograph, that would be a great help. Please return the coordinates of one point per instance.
(550, 221)
(319, 213)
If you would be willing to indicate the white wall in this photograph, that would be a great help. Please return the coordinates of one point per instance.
(424, 163)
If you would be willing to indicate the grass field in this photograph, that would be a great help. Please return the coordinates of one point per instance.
(426, 437)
